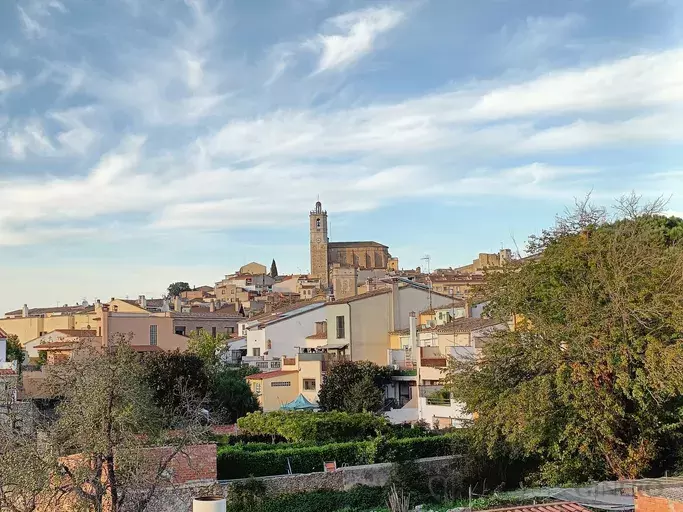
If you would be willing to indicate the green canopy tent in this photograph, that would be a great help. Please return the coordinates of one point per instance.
(300, 403)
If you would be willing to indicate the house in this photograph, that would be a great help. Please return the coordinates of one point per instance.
(440, 315)
(276, 334)
(365, 321)
(274, 389)
(55, 336)
(30, 323)
(253, 268)
(200, 292)
(456, 284)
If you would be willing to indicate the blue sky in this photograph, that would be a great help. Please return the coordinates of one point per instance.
(145, 141)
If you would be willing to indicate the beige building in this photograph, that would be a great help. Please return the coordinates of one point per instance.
(274, 389)
(29, 324)
(200, 292)
(359, 255)
(487, 260)
(253, 268)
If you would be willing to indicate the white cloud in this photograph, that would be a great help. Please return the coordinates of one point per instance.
(31, 26)
(350, 36)
(537, 35)
(9, 81)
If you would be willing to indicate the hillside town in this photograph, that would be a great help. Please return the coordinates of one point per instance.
(357, 364)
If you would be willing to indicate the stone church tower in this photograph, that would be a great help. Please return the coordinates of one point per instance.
(319, 244)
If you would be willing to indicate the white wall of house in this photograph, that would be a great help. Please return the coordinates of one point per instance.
(284, 334)
(449, 415)
(415, 299)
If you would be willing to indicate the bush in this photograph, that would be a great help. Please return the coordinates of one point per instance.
(241, 461)
(358, 498)
(316, 427)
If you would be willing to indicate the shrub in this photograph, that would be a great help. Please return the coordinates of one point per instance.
(314, 427)
(241, 461)
(358, 498)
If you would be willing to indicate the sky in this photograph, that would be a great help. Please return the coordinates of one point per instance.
(149, 141)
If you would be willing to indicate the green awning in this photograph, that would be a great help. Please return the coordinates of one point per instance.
(300, 403)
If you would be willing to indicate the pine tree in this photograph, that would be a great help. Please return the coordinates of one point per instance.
(273, 269)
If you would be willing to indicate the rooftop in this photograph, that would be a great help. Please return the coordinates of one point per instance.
(7, 372)
(78, 333)
(466, 325)
(317, 336)
(342, 245)
(64, 310)
(559, 506)
(452, 305)
(270, 375)
(366, 295)
(3, 334)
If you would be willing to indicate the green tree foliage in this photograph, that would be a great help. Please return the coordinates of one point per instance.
(172, 375)
(231, 397)
(175, 289)
(14, 349)
(273, 269)
(322, 427)
(208, 348)
(354, 386)
(590, 383)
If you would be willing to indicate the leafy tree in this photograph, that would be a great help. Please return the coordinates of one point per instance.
(591, 380)
(354, 386)
(14, 350)
(208, 348)
(231, 397)
(106, 418)
(175, 289)
(273, 270)
(172, 375)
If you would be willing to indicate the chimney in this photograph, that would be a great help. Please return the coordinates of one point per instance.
(105, 325)
(468, 309)
(177, 304)
(24, 311)
(212, 306)
(395, 308)
(142, 302)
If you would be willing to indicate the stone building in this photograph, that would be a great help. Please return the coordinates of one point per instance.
(358, 255)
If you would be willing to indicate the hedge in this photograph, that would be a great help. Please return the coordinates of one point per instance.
(241, 462)
(319, 427)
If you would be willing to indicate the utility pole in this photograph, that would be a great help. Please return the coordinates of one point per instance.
(428, 259)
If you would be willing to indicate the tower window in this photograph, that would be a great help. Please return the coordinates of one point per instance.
(317, 223)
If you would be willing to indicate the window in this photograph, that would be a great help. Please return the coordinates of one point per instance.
(213, 332)
(262, 365)
(280, 384)
(257, 388)
(199, 330)
(309, 384)
(269, 345)
(180, 329)
(230, 330)
(153, 333)
(341, 331)
(440, 315)
(317, 223)
(256, 352)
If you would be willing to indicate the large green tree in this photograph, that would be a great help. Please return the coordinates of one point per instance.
(175, 289)
(14, 350)
(590, 381)
(354, 386)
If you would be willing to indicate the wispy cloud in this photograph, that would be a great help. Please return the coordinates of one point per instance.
(348, 37)
(9, 81)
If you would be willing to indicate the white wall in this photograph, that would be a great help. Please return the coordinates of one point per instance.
(455, 411)
(285, 334)
(415, 299)
(3, 350)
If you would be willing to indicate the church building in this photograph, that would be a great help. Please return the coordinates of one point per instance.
(325, 254)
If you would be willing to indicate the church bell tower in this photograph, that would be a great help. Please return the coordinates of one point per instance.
(319, 241)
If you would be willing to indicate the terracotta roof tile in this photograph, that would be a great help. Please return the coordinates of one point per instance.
(270, 375)
(147, 348)
(344, 245)
(57, 345)
(3, 334)
(83, 333)
(559, 506)
(317, 336)
(455, 304)
(61, 309)
(7, 372)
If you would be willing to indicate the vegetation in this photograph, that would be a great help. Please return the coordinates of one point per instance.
(325, 427)
(14, 350)
(240, 461)
(92, 453)
(207, 347)
(175, 289)
(172, 375)
(354, 386)
(591, 381)
(273, 270)
(230, 396)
